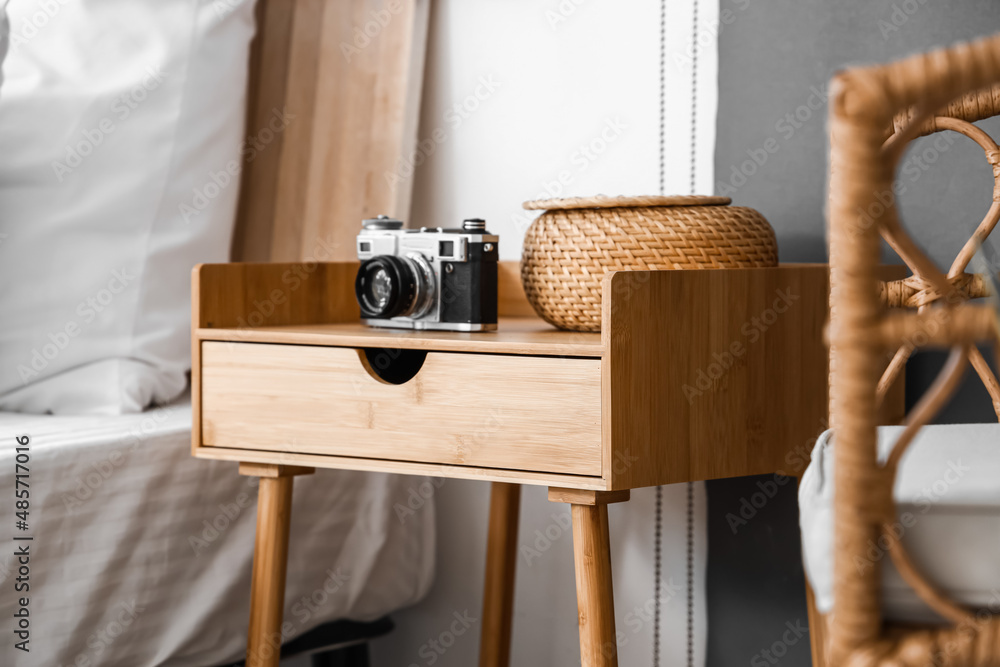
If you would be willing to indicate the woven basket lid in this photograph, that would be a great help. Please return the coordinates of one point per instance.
(603, 201)
(570, 247)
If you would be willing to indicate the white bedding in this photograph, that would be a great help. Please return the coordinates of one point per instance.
(127, 568)
(948, 498)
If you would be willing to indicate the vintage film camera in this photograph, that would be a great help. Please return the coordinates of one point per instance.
(428, 278)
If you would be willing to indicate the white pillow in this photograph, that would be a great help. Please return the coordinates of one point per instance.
(121, 124)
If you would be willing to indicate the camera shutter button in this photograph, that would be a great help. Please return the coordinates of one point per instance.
(382, 222)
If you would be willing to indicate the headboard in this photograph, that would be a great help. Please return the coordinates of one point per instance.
(332, 111)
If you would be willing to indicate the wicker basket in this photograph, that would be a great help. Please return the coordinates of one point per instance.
(570, 247)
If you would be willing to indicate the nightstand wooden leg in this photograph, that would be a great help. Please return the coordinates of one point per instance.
(501, 566)
(594, 592)
(270, 558)
(595, 600)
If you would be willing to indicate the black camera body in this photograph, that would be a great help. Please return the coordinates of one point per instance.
(428, 278)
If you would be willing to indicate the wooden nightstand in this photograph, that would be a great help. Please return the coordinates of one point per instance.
(696, 375)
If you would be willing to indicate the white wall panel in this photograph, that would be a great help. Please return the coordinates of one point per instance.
(526, 99)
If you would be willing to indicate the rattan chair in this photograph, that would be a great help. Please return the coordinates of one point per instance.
(875, 112)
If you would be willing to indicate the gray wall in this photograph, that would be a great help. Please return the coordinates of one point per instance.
(775, 59)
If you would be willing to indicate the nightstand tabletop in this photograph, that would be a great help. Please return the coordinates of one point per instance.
(514, 335)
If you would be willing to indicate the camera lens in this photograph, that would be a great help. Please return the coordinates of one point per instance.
(380, 288)
(385, 287)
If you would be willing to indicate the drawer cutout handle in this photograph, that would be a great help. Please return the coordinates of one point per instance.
(391, 365)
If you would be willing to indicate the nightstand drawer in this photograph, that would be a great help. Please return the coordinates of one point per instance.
(483, 410)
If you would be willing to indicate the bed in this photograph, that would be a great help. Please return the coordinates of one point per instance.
(142, 555)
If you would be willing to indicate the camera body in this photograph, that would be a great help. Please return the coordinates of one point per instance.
(428, 278)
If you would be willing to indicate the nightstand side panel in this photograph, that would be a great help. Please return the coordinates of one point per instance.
(712, 373)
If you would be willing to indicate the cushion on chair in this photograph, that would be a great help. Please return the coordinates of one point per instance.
(948, 501)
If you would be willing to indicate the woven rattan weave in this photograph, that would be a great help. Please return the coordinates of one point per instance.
(875, 112)
(570, 247)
